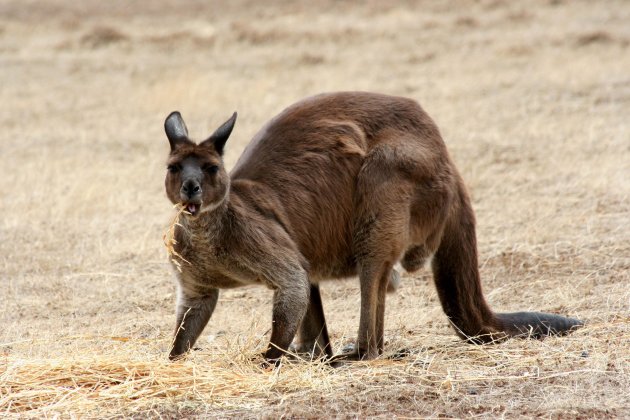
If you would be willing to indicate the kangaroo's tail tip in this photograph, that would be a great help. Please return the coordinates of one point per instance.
(537, 324)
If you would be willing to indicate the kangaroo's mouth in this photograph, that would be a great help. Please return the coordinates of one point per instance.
(192, 208)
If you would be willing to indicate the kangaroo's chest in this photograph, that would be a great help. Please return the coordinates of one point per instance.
(203, 265)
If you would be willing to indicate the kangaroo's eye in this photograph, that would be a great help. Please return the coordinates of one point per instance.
(211, 169)
(173, 169)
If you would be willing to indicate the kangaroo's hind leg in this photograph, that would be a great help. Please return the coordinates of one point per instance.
(380, 236)
(374, 279)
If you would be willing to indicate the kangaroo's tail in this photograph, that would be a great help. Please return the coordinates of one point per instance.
(456, 274)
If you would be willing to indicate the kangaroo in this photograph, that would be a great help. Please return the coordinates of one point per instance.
(336, 185)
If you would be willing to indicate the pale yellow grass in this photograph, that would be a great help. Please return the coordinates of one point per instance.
(533, 101)
(169, 238)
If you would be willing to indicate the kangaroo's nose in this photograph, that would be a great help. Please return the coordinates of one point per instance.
(190, 188)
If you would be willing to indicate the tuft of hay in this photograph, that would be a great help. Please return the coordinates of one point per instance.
(131, 381)
(101, 36)
(170, 241)
(134, 378)
(594, 37)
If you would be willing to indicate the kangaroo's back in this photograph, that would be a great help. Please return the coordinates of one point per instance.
(307, 160)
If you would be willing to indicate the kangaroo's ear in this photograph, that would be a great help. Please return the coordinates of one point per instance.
(220, 136)
(176, 130)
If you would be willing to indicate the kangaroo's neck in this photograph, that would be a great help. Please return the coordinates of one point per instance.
(208, 224)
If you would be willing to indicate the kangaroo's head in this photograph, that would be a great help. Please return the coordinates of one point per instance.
(195, 175)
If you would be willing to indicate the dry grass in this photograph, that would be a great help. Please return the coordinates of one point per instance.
(439, 370)
(533, 100)
(170, 241)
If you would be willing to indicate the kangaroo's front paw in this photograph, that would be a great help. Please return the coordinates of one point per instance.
(272, 359)
(263, 362)
(176, 356)
(179, 355)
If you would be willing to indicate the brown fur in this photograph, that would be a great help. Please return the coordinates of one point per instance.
(336, 185)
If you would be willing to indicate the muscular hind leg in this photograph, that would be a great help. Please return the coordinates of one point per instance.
(393, 211)
(380, 237)
(380, 314)
(374, 278)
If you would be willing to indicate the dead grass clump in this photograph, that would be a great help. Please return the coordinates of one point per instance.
(520, 16)
(177, 38)
(82, 384)
(467, 22)
(102, 36)
(595, 37)
(247, 33)
(170, 241)
(519, 50)
(136, 379)
(308, 59)
(130, 381)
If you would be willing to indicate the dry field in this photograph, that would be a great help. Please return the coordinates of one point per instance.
(533, 99)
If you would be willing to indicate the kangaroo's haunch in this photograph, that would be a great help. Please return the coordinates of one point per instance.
(336, 185)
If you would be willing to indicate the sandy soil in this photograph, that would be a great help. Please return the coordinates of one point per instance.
(532, 98)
